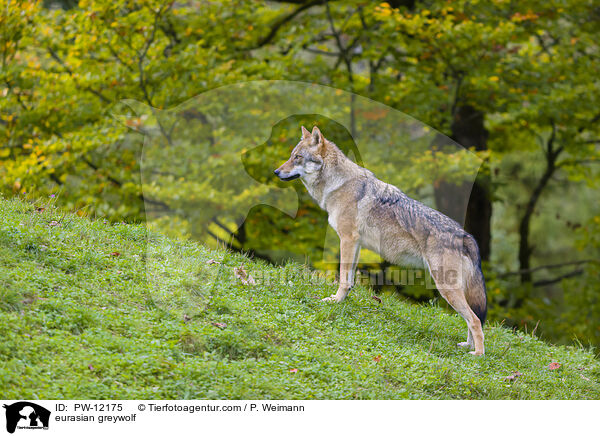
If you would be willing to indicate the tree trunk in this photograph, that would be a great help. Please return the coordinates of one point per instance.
(524, 245)
(469, 131)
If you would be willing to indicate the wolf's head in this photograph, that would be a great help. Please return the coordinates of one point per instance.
(306, 157)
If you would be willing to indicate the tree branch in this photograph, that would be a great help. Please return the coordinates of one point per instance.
(142, 80)
(145, 199)
(224, 227)
(524, 247)
(119, 183)
(550, 266)
(321, 52)
(68, 70)
(96, 168)
(279, 23)
(547, 282)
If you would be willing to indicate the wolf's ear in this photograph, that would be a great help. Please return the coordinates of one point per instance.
(305, 133)
(317, 136)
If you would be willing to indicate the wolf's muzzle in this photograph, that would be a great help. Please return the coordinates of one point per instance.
(286, 179)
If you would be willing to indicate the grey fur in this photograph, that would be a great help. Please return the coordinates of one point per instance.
(368, 212)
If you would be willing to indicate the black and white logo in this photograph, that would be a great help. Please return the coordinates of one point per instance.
(26, 415)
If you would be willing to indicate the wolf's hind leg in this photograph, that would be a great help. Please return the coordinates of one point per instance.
(456, 299)
(469, 343)
(453, 291)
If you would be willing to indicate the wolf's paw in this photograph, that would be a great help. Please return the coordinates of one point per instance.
(332, 298)
(476, 353)
(464, 344)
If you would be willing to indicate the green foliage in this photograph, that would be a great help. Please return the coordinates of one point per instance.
(530, 68)
(98, 330)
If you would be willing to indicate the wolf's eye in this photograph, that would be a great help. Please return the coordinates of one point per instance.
(297, 157)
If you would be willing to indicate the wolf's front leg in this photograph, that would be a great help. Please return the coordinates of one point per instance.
(349, 254)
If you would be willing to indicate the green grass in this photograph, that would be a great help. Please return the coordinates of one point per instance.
(86, 312)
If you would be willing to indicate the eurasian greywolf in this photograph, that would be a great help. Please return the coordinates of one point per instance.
(367, 212)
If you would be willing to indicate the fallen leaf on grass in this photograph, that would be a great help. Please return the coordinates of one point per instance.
(212, 262)
(221, 325)
(241, 274)
(40, 209)
(29, 300)
(376, 298)
(53, 223)
(90, 367)
(186, 318)
(377, 358)
(513, 376)
(293, 370)
(115, 254)
(554, 365)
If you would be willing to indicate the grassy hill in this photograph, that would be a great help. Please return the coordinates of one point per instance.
(79, 319)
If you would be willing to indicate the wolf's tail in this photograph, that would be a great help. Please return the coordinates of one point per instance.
(475, 290)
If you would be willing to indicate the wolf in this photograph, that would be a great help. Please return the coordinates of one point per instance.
(367, 212)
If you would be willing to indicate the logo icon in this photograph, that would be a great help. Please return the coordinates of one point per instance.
(26, 415)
